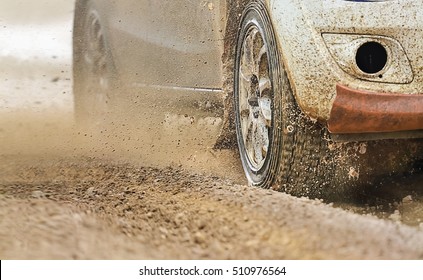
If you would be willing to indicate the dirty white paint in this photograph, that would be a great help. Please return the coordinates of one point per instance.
(344, 47)
(312, 69)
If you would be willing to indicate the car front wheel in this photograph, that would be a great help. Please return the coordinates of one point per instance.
(280, 148)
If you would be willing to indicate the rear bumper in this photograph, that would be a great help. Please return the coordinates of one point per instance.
(358, 111)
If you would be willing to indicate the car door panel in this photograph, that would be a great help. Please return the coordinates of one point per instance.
(167, 43)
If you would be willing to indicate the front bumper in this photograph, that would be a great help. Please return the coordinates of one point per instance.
(314, 71)
(360, 111)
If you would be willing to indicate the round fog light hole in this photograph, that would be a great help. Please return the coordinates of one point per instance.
(371, 57)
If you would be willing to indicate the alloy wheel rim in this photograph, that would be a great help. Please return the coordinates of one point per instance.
(255, 98)
(95, 59)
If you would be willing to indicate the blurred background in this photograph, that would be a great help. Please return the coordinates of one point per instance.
(35, 55)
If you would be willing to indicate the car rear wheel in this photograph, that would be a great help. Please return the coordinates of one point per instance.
(92, 67)
(279, 147)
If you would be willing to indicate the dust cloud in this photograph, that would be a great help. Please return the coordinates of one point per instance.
(36, 103)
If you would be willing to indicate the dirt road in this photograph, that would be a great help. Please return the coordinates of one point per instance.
(73, 193)
(67, 193)
(79, 208)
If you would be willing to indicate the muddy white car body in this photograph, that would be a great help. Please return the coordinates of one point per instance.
(353, 67)
(322, 39)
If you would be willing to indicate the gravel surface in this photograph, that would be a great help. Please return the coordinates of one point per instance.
(88, 209)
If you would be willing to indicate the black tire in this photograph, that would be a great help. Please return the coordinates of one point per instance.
(93, 69)
(293, 150)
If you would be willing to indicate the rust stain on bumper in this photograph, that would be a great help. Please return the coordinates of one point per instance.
(358, 111)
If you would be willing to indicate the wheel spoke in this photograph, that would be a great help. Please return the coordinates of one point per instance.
(249, 137)
(245, 73)
(262, 62)
(249, 52)
(262, 141)
(264, 85)
(244, 93)
(95, 26)
(247, 124)
(261, 54)
(99, 36)
(258, 50)
(245, 80)
(265, 104)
